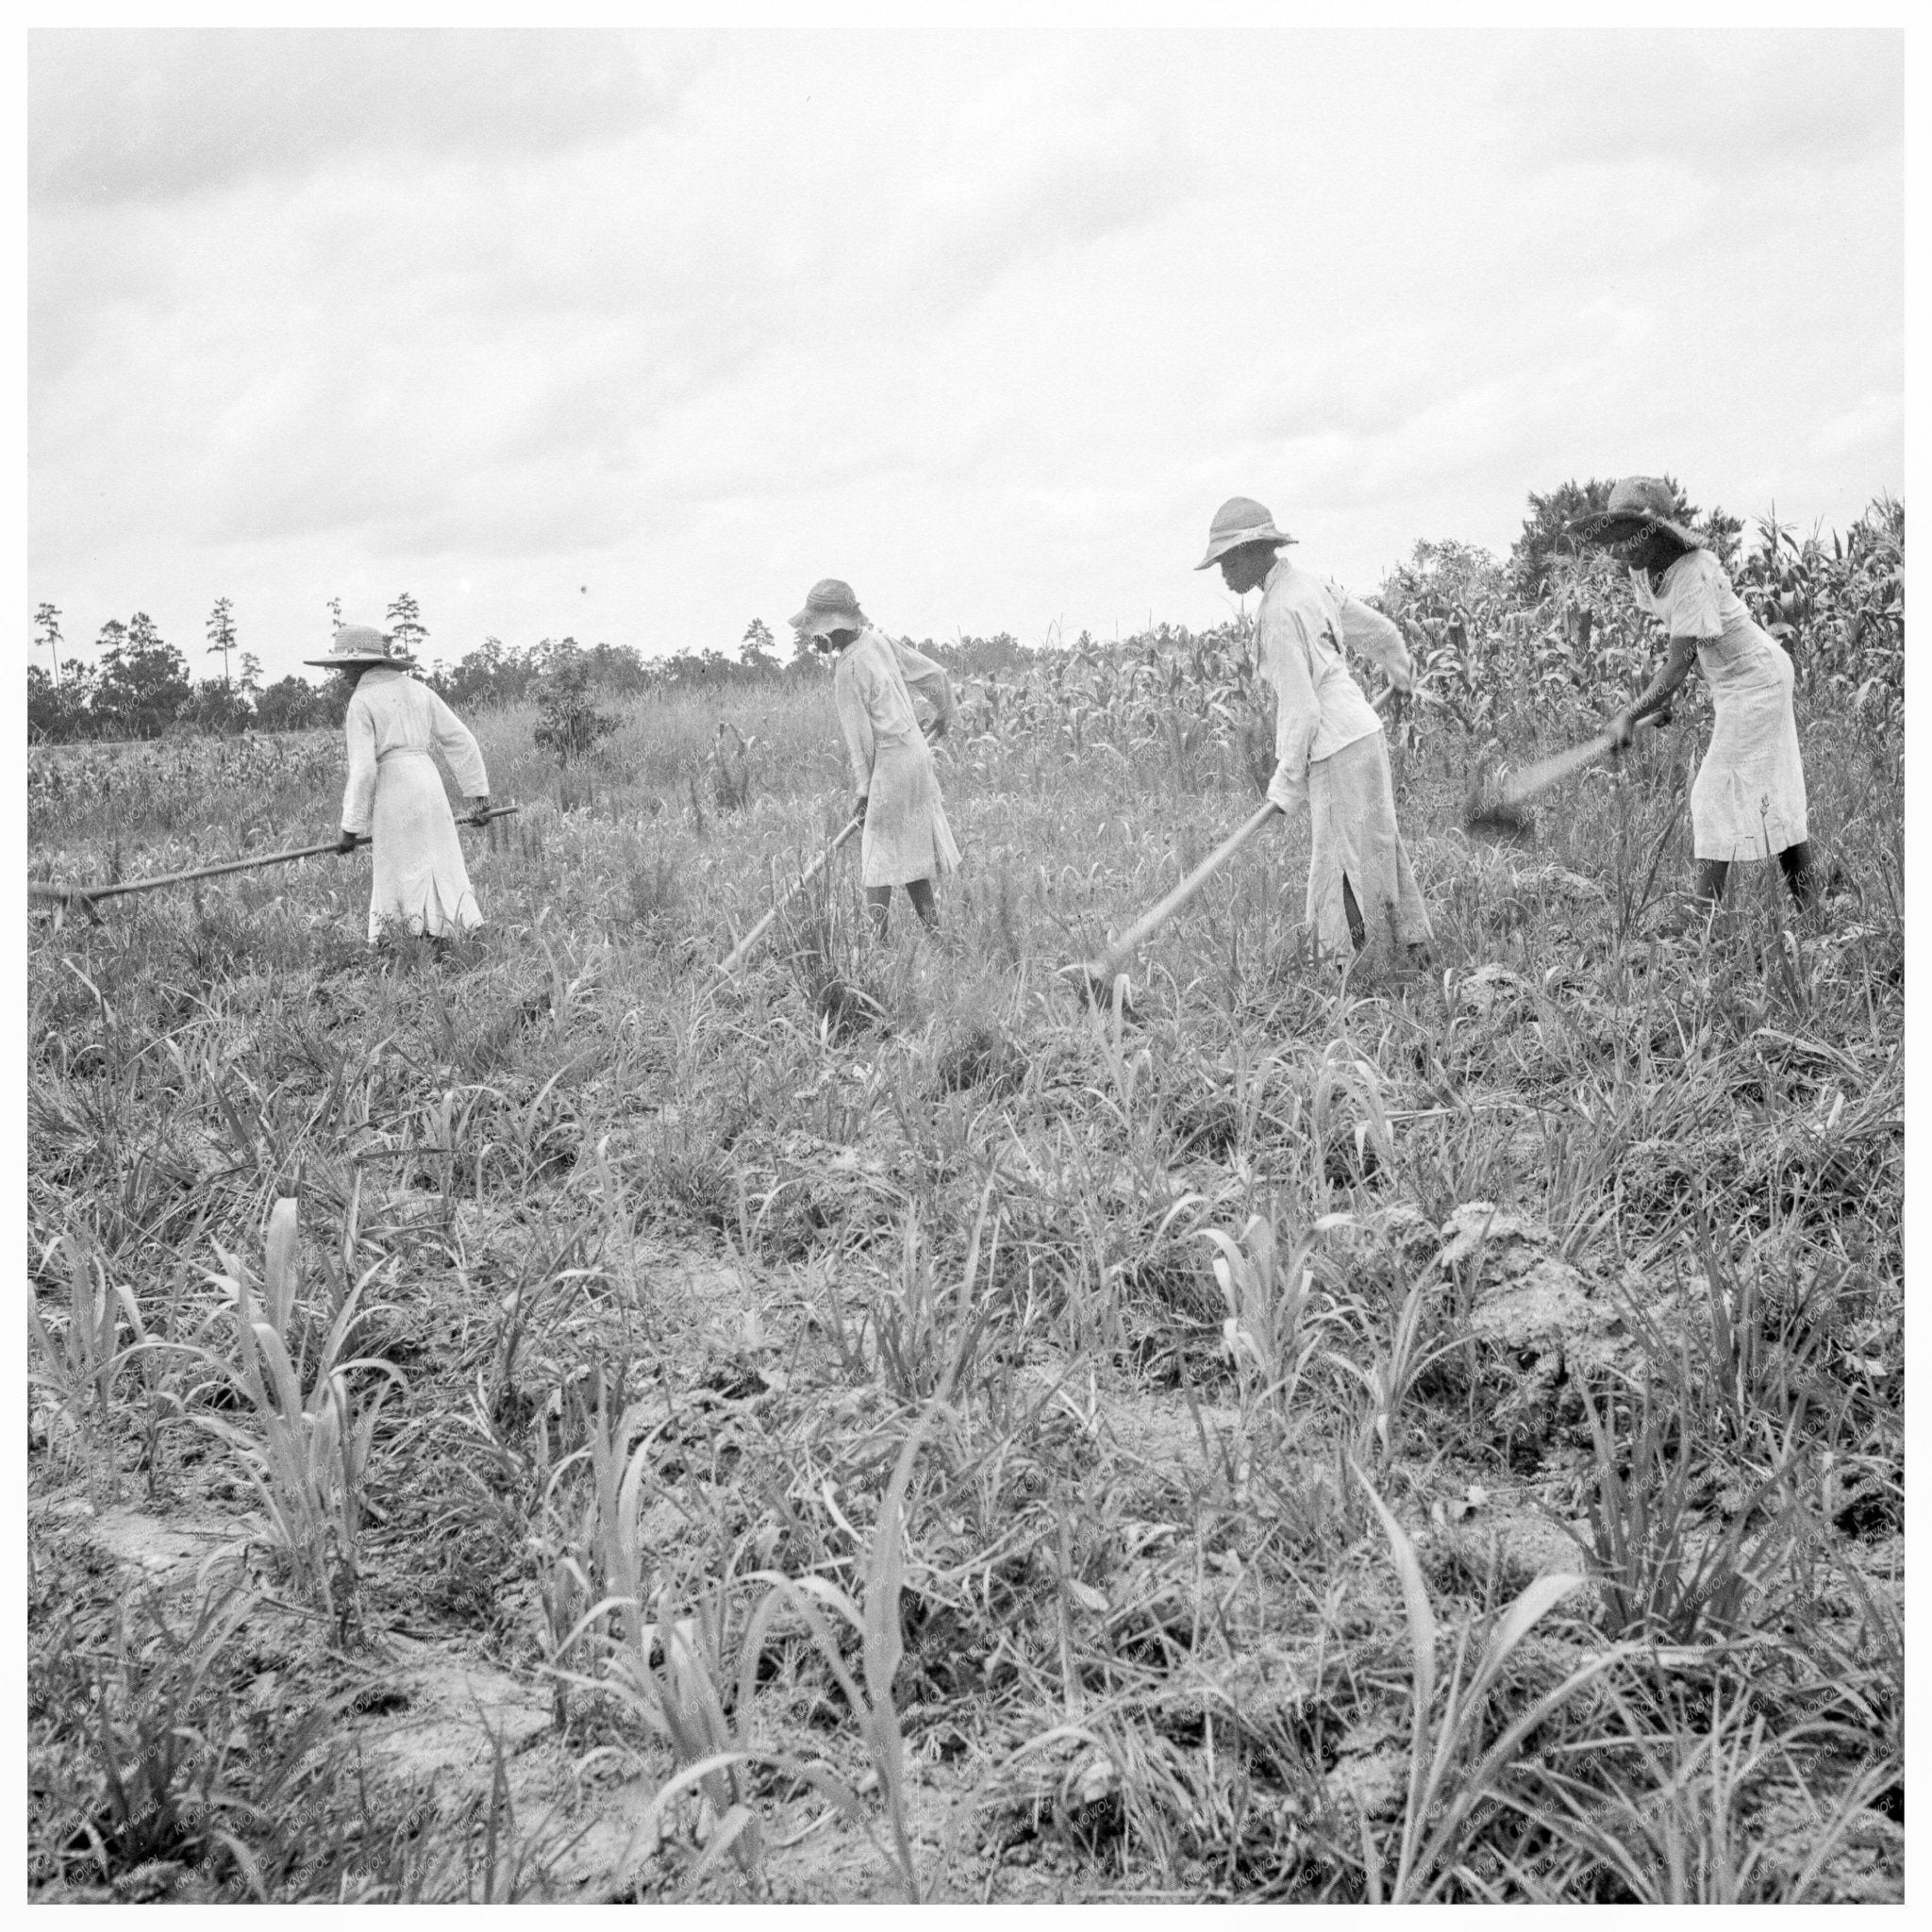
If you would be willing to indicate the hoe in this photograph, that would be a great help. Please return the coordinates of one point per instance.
(729, 962)
(1095, 979)
(1496, 809)
(84, 896)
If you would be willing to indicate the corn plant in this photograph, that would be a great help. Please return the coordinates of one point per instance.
(875, 1618)
(169, 1763)
(1660, 1577)
(1659, 1798)
(673, 1672)
(1269, 1331)
(594, 1568)
(306, 1455)
(1454, 1780)
(77, 1364)
(595, 1589)
(1389, 1377)
(923, 1336)
(1344, 1075)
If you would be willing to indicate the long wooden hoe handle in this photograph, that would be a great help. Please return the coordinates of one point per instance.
(1150, 922)
(86, 894)
(729, 962)
(1098, 972)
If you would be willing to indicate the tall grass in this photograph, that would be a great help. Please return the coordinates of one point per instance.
(881, 1405)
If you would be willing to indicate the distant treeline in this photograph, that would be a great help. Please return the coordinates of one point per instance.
(142, 686)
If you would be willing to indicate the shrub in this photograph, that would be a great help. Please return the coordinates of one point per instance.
(569, 723)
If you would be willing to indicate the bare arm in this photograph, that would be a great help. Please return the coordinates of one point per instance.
(1670, 673)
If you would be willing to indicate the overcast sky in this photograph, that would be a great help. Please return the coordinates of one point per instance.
(635, 337)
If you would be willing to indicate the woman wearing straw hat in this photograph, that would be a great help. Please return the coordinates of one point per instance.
(394, 796)
(1329, 752)
(1748, 799)
(907, 840)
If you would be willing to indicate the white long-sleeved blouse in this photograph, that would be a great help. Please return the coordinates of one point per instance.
(390, 713)
(872, 687)
(1299, 633)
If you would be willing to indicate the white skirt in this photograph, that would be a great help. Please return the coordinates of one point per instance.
(420, 883)
(1353, 835)
(1748, 799)
(907, 836)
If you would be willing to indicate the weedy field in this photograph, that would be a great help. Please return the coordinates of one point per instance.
(544, 1421)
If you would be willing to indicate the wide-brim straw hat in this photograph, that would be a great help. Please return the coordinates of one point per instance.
(1239, 520)
(1637, 504)
(829, 606)
(362, 643)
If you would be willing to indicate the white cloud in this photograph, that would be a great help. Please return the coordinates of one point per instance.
(150, 115)
(1870, 426)
(988, 325)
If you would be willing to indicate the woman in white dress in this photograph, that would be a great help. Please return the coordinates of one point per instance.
(1748, 799)
(394, 796)
(1329, 751)
(907, 840)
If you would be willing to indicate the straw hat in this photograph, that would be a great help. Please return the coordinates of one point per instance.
(829, 607)
(1239, 520)
(362, 643)
(1637, 504)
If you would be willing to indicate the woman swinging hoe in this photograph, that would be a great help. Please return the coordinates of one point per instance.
(907, 841)
(1748, 799)
(1329, 750)
(394, 796)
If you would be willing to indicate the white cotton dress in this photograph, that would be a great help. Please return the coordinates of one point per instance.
(1329, 749)
(395, 795)
(905, 835)
(1748, 799)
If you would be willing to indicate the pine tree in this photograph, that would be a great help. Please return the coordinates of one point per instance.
(221, 635)
(754, 647)
(406, 626)
(145, 680)
(47, 632)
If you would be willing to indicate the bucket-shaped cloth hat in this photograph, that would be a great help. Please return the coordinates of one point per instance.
(829, 606)
(360, 644)
(1239, 520)
(1637, 504)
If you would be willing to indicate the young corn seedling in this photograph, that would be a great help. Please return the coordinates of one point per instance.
(1676, 1832)
(166, 1756)
(1348, 1099)
(594, 1589)
(922, 1334)
(670, 1672)
(564, 1598)
(677, 1695)
(307, 1454)
(1394, 1373)
(594, 1572)
(1643, 1533)
(76, 1365)
(1269, 1331)
(1455, 1784)
(876, 1620)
